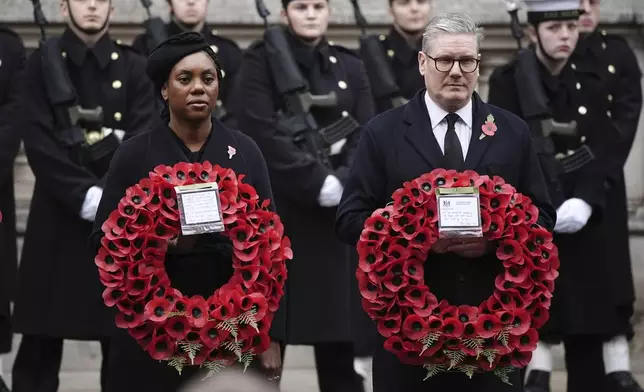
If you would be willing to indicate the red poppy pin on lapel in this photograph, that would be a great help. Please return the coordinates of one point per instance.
(231, 151)
(489, 128)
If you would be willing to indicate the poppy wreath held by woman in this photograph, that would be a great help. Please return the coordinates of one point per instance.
(497, 336)
(233, 324)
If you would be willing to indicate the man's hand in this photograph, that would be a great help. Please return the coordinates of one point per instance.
(469, 247)
(442, 244)
(270, 362)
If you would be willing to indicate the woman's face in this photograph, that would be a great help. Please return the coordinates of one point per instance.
(309, 19)
(192, 88)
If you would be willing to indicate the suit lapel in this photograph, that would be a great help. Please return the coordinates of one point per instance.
(419, 132)
(477, 146)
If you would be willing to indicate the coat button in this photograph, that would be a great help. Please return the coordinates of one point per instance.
(64, 54)
(118, 116)
(604, 32)
(573, 66)
(342, 84)
(214, 48)
(382, 37)
(609, 114)
(117, 84)
(333, 59)
(611, 68)
(214, 32)
(604, 45)
(114, 56)
(582, 110)
(345, 113)
(583, 139)
(578, 86)
(610, 97)
(390, 53)
(119, 42)
(331, 43)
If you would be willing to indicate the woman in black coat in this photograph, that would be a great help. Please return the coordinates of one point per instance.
(307, 190)
(186, 72)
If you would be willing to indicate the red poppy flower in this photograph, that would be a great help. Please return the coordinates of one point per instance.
(106, 261)
(128, 320)
(377, 223)
(526, 342)
(531, 215)
(389, 326)
(501, 187)
(485, 184)
(143, 221)
(425, 184)
(111, 279)
(520, 359)
(394, 345)
(499, 202)
(515, 217)
(469, 330)
(112, 295)
(539, 316)
(368, 290)
(137, 197)
(177, 327)
(414, 327)
(511, 251)
(369, 257)
(466, 313)
(197, 312)
(158, 310)
(257, 302)
(488, 325)
(452, 327)
(517, 273)
(161, 348)
(497, 226)
(247, 193)
(141, 330)
(394, 281)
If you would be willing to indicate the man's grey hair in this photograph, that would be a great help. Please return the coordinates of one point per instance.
(451, 23)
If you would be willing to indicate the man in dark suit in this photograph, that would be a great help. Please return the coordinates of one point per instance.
(441, 127)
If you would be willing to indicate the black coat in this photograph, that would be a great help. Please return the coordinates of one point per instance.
(12, 64)
(398, 146)
(403, 60)
(59, 293)
(230, 57)
(199, 273)
(320, 276)
(602, 80)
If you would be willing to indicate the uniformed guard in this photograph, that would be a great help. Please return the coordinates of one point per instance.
(308, 150)
(594, 297)
(12, 64)
(191, 16)
(402, 44)
(84, 94)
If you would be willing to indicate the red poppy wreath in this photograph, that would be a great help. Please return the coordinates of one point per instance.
(497, 336)
(232, 325)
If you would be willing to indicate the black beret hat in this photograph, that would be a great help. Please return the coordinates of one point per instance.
(168, 53)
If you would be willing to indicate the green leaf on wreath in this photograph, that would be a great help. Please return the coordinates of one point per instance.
(177, 363)
(192, 349)
(249, 319)
(433, 370)
(469, 370)
(474, 344)
(213, 367)
(503, 373)
(229, 325)
(455, 358)
(504, 336)
(429, 340)
(235, 347)
(247, 359)
(490, 354)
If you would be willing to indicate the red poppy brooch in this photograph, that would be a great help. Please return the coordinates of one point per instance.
(231, 325)
(497, 336)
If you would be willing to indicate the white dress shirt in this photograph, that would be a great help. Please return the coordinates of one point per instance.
(463, 127)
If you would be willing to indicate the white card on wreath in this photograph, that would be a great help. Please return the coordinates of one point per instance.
(459, 212)
(199, 208)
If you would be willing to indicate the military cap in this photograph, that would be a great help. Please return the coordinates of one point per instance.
(545, 10)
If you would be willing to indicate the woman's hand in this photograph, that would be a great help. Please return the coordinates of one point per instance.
(270, 361)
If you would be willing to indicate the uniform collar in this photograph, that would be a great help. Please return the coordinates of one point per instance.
(174, 28)
(401, 49)
(307, 56)
(77, 50)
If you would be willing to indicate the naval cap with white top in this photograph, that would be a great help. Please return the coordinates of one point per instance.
(545, 10)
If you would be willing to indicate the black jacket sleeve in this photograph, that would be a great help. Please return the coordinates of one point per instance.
(294, 173)
(11, 103)
(502, 91)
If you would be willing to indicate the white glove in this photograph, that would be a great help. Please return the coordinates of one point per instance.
(572, 216)
(90, 204)
(331, 192)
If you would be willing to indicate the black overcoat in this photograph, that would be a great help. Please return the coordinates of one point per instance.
(398, 146)
(193, 273)
(12, 64)
(600, 89)
(58, 292)
(321, 278)
(230, 58)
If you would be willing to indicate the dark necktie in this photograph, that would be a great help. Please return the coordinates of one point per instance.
(453, 151)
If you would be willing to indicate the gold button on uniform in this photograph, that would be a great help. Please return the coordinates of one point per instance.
(64, 54)
(583, 139)
(582, 110)
(603, 45)
(213, 32)
(610, 97)
(118, 116)
(114, 56)
(342, 84)
(119, 42)
(609, 114)
(345, 113)
(382, 37)
(214, 48)
(331, 43)
(611, 68)
(573, 66)
(333, 59)
(604, 32)
(578, 86)
(390, 53)
(117, 84)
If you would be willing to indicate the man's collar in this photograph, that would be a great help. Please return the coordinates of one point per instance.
(437, 114)
(76, 49)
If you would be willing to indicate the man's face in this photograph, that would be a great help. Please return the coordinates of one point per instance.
(309, 19)
(450, 88)
(189, 12)
(89, 16)
(590, 18)
(558, 38)
(411, 16)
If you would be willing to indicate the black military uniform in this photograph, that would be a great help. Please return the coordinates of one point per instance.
(404, 64)
(320, 276)
(230, 57)
(600, 89)
(12, 64)
(59, 292)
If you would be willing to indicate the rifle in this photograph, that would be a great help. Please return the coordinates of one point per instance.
(68, 114)
(296, 120)
(154, 27)
(382, 81)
